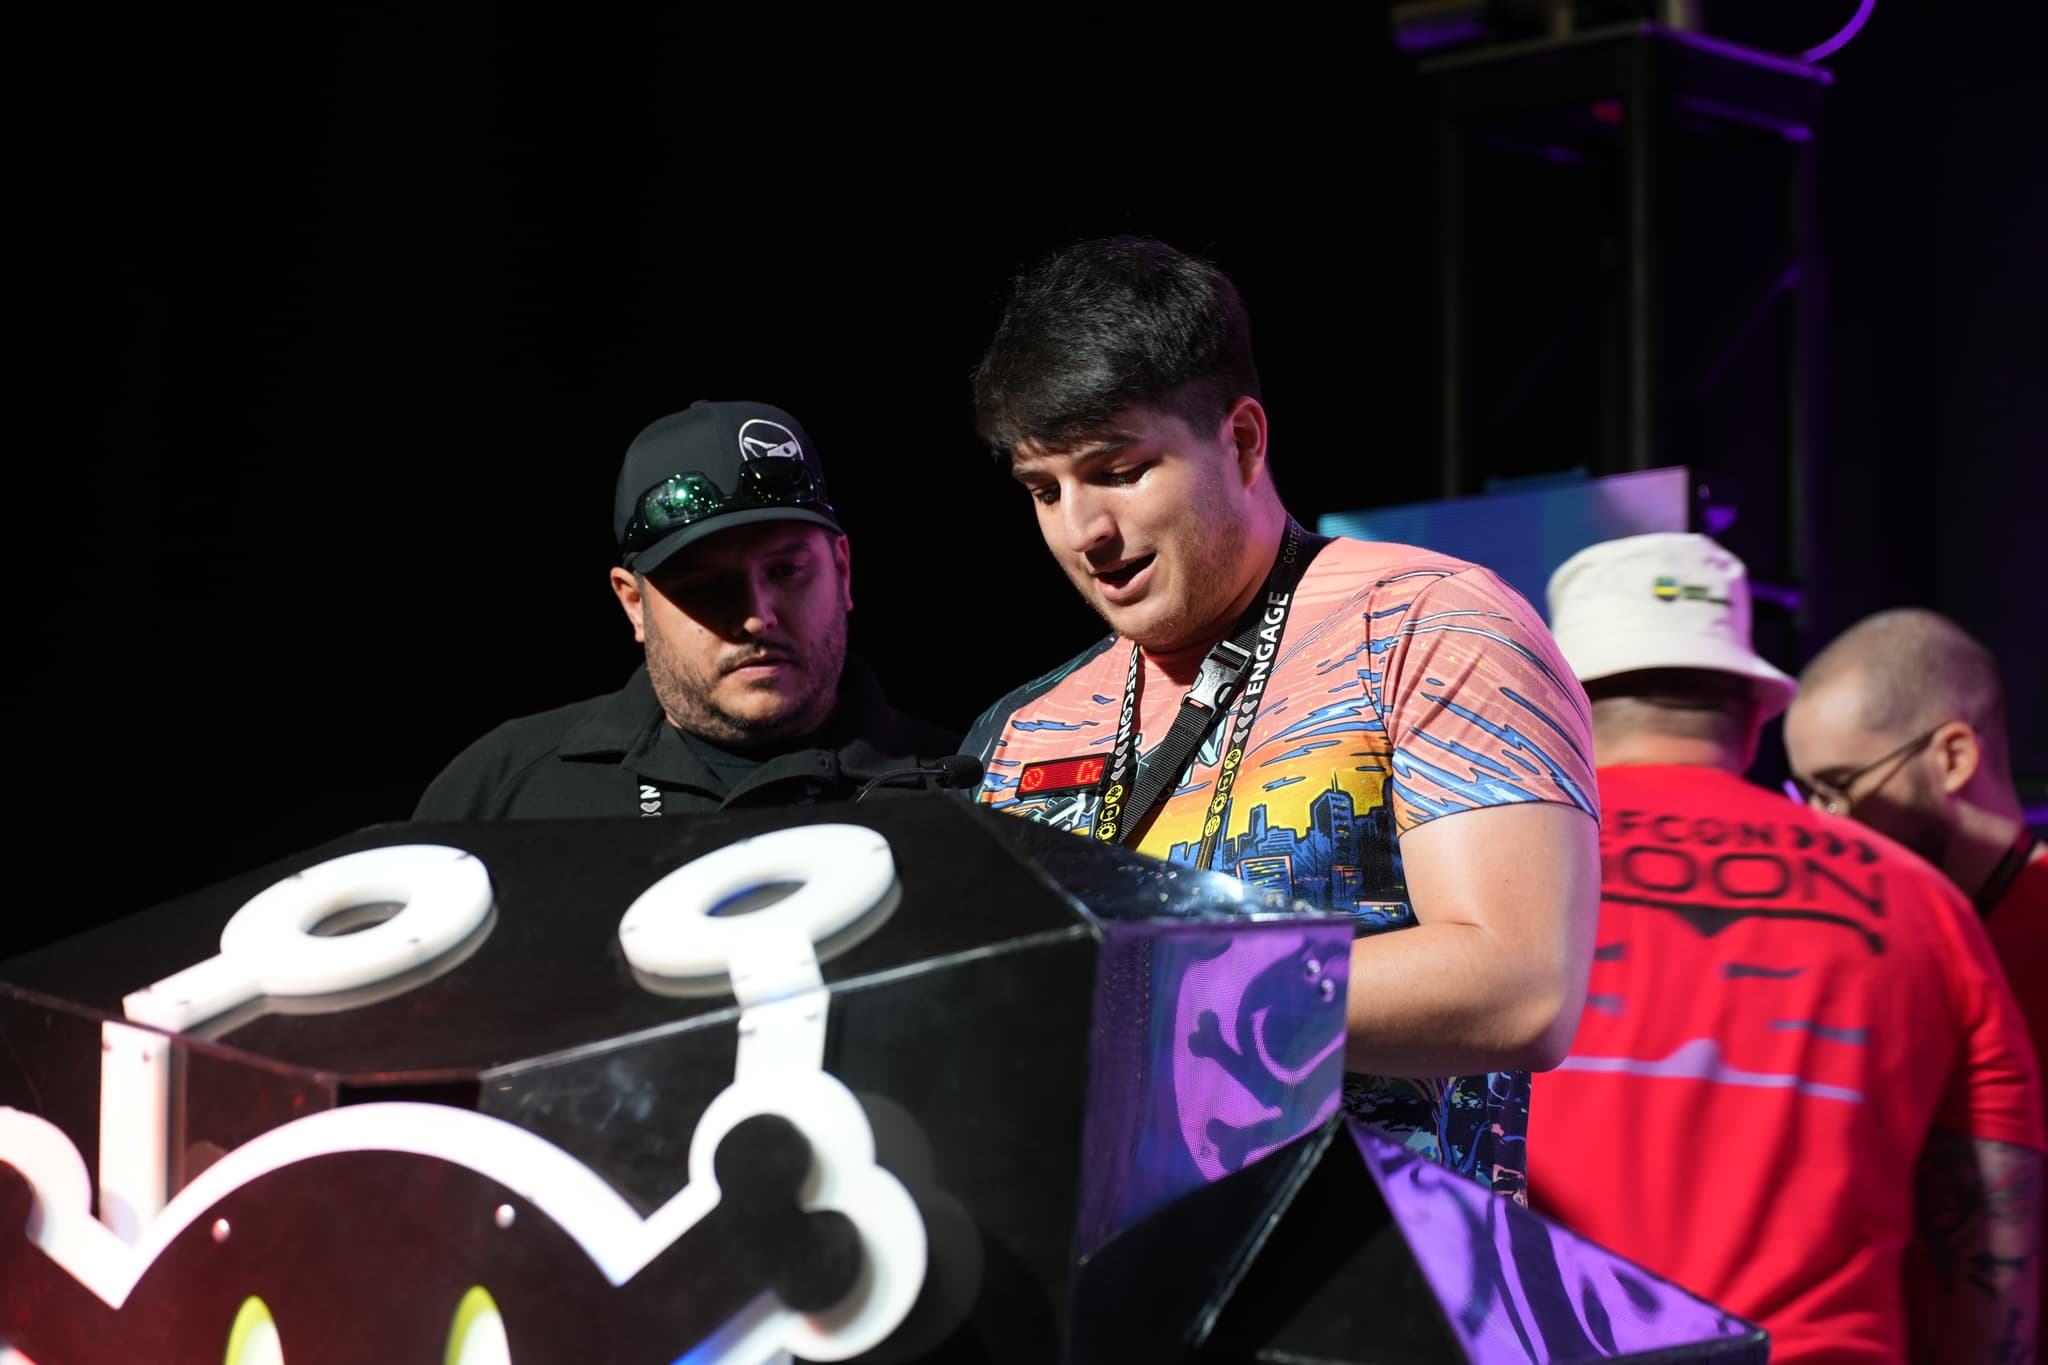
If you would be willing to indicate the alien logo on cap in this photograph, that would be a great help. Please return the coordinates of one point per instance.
(761, 439)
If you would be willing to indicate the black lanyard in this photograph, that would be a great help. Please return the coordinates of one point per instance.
(1240, 663)
(2005, 874)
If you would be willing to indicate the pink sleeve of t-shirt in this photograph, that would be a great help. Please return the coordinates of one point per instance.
(1479, 706)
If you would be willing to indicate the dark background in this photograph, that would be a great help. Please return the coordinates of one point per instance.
(337, 324)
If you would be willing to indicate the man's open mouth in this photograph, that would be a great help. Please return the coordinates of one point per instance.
(1117, 577)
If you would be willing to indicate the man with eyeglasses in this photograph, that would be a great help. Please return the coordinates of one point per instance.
(1800, 1078)
(1900, 724)
(1914, 689)
(737, 580)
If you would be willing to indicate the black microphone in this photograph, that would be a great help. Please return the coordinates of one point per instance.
(954, 770)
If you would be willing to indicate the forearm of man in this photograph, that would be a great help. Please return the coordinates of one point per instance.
(1980, 1221)
(1493, 974)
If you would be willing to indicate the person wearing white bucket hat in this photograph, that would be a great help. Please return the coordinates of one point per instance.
(1662, 600)
(1795, 1030)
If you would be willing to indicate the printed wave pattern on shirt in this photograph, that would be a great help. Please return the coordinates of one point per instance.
(1397, 697)
(1408, 686)
(1477, 1126)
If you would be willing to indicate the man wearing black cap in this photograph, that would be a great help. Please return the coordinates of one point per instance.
(736, 577)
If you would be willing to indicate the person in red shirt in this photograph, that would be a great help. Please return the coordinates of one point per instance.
(1800, 1077)
(1900, 724)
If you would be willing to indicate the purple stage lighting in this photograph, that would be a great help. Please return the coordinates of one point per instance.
(1841, 39)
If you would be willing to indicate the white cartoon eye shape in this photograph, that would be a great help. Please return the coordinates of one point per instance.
(269, 947)
(839, 875)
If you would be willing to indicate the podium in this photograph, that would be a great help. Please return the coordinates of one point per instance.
(894, 1082)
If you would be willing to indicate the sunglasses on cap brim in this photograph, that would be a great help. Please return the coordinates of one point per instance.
(682, 500)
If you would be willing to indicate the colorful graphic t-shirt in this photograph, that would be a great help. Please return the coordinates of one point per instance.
(1782, 1005)
(1407, 686)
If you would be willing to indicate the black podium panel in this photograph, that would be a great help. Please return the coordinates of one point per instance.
(1049, 1042)
(548, 975)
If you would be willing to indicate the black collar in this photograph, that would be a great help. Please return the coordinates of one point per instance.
(865, 738)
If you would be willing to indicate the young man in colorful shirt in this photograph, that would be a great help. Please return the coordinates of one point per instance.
(1370, 728)
(1798, 1057)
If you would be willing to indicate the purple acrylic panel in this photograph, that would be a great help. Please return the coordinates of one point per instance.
(1213, 1044)
(1517, 1287)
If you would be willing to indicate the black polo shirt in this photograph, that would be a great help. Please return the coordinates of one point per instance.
(618, 755)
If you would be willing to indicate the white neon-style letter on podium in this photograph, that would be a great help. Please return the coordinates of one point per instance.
(268, 948)
(844, 875)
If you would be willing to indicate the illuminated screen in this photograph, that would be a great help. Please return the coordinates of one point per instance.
(1524, 533)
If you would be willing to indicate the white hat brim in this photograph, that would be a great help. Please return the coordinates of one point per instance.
(1603, 657)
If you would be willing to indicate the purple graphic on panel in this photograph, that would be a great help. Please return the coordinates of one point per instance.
(1253, 1026)
(1214, 1044)
(1517, 1287)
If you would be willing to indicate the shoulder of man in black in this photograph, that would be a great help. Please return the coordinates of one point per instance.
(872, 736)
(567, 762)
(481, 782)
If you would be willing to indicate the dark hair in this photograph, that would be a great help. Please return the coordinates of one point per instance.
(1687, 703)
(1108, 325)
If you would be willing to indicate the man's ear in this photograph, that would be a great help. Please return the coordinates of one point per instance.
(842, 555)
(626, 588)
(1244, 432)
(1957, 755)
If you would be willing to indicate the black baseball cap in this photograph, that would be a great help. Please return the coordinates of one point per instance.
(710, 468)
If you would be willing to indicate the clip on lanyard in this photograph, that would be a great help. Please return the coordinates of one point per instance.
(1125, 802)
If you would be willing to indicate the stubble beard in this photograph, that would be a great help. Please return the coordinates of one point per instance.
(689, 696)
(1204, 552)
(1922, 823)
